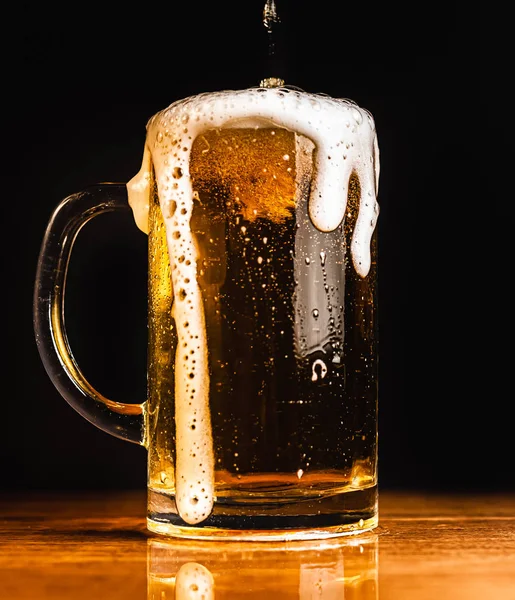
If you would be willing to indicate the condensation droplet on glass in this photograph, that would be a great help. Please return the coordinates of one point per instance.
(300, 473)
(322, 258)
(323, 369)
(307, 260)
(315, 313)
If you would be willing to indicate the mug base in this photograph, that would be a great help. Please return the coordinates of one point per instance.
(348, 513)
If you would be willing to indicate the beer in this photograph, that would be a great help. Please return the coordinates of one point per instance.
(262, 354)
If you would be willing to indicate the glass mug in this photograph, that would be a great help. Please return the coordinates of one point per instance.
(261, 417)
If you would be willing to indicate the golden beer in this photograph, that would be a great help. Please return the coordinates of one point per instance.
(291, 333)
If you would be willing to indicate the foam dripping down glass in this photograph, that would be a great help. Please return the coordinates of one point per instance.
(260, 207)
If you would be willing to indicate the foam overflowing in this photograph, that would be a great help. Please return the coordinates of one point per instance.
(345, 142)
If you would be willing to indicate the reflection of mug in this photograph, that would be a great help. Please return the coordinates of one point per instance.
(335, 569)
(261, 419)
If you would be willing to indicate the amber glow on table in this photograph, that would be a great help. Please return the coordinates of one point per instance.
(96, 546)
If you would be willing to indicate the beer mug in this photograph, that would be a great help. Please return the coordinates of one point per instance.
(260, 422)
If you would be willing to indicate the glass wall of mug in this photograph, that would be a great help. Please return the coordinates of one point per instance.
(278, 339)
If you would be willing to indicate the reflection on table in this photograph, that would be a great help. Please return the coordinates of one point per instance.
(324, 570)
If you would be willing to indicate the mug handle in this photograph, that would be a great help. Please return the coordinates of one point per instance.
(125, 421)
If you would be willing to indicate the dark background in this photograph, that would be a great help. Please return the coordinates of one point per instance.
(84, 79)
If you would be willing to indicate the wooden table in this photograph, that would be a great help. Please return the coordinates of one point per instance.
(95, 547)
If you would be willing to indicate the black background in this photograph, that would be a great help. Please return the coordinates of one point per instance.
(84, 79)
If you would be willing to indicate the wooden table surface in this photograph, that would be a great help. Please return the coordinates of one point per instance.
(95, 547)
